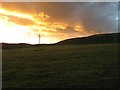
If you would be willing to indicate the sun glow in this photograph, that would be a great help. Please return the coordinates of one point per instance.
(12, 32)
(16, 27)
(16, 33)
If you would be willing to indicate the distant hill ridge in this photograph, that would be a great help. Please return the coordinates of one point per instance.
(94, 39)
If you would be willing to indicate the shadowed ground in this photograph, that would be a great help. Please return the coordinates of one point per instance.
(61, 66)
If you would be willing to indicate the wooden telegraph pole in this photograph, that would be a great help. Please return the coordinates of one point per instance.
(39, 39)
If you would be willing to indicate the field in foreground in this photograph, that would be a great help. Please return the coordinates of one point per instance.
(61, 66)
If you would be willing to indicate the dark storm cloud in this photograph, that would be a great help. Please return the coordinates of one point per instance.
(118, 17)
(93, 16)
(100, 17)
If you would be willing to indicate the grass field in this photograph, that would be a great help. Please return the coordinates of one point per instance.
(62, 66)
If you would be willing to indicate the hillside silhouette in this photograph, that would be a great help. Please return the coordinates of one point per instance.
(94, 39)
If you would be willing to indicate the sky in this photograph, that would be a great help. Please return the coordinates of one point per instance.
(22, 22)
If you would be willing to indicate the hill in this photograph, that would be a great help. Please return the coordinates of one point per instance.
(22, 45)
(94, 39)
(14, 46)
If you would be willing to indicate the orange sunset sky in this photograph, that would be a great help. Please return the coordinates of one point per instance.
(22, 22)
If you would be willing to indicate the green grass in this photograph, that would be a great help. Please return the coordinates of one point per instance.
(61, 66)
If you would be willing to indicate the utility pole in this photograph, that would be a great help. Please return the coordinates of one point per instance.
(39, 39)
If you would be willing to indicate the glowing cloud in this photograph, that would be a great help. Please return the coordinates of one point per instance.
(15, 25)
(23, 22)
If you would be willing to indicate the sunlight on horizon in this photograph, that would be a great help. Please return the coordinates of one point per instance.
(13, 29)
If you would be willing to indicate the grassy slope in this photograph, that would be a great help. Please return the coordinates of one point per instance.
(61, 66)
